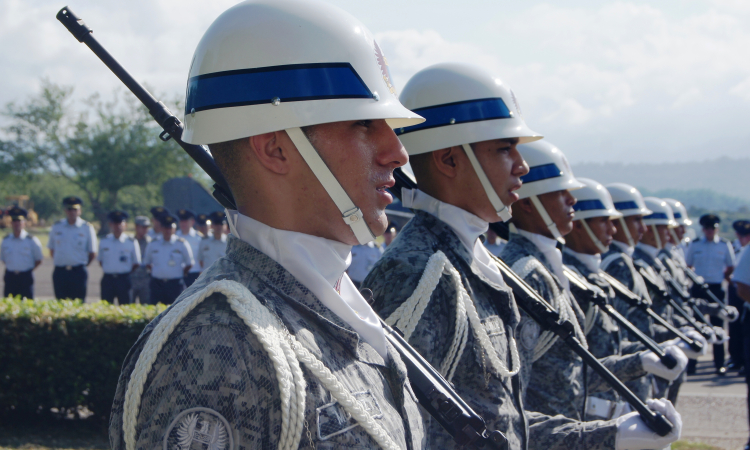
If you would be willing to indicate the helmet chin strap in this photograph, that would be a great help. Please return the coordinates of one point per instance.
(656, 237)
(349, 212)
(500, 208)
(674, 237)
(627, 232)
(602, 248)
(547, 220)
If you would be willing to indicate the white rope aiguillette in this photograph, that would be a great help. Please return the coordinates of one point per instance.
(408, 314)
(283, 349)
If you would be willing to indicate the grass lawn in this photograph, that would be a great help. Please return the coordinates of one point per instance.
(683, 445)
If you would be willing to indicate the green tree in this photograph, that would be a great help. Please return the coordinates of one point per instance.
(110, 147)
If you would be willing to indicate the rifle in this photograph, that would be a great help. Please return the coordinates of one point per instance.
(704, 290)
(665, 295)
(583, 289)
(548, 319)
(682, 292)
(634, 300)
(434, 393)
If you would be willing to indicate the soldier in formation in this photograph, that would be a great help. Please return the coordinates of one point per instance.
(119, 255)
(72, 245)
(214, 245)
(139, 278)
(193, 238)
(168, 259)
(21, 253)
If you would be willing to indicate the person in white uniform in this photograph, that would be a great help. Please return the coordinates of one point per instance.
(214, 245)
(21, 253)
(72, 244)
(193, 238)
(169, 259)
(119, 255)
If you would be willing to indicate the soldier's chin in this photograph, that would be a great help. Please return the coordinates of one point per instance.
(377, 221)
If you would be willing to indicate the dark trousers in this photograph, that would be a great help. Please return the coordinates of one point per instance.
(116, 285)
(736, 351)
(165, 291)
(19, 283)
(715, 321)
(70, 282)
(190, 278)
(746, 346)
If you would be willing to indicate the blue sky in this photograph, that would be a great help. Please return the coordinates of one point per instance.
(628, 81)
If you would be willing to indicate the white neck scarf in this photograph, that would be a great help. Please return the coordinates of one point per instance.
(466, 225)
(625, 248)
(592, 262)
(320, 265)
(548, 246)
(651, 250)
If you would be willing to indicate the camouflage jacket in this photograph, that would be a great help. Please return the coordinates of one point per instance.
(661, 306)
(214, 368)
(605, 337)
(674, 267)
(545, 390)
(395, 277)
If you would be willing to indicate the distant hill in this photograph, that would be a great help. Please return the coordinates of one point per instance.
(701, 199)
(726, 180)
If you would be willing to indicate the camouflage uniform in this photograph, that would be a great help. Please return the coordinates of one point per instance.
(620, 265)
(546, 390)
(605, 337)
(672, 263)
(395, 277)
(212, 364)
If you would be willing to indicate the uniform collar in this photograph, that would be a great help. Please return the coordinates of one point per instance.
(79, 222)
(553, 256)
(123, 237)
(21, 235)
(320, 265)
(192, 232)
(466, 225)
(624, 248)
(715, 240)
(592, 262)
(648, 249)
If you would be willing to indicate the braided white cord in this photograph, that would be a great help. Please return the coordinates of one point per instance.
(523, 267)
(262, 324)
(417, 302)
(343, 396)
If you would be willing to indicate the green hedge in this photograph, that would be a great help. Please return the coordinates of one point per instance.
(64, 354)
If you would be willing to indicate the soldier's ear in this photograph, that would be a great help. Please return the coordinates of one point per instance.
(271, 150)
(445, 161)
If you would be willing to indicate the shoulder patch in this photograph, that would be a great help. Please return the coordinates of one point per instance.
(529, 333)
(198, 428)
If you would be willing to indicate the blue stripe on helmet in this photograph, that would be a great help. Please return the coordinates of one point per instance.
(626, 205)
(459, 112)
(543, 172)
(677, 215)
(588, 205)
(657, 215)
(290, 83)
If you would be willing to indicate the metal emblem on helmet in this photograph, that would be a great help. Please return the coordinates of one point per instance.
(383, 63)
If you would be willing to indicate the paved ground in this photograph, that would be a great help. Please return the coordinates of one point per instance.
(43, 281)
(714, 409)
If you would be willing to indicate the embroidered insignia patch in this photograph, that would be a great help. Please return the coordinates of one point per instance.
(529, 334)
(384, 70)
(198, 429)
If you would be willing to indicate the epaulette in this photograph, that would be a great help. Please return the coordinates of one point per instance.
(181, 239)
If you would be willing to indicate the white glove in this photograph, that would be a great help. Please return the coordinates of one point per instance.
(721, 336)
(729, 313)
(709, 340)
(687, 349)
(633, 434)
(652, 363)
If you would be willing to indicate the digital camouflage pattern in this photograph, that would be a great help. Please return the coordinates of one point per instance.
(498, 401)
(661, 306)
(214, 368)
(546, 390)
(672, 262)
(606, 337)
(395, 277)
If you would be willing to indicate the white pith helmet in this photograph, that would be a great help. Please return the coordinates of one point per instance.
(679, 211)
(593, 200)
(271, 65)
(549, 171)
(629, 202)
(462, 104)
(661, 215)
